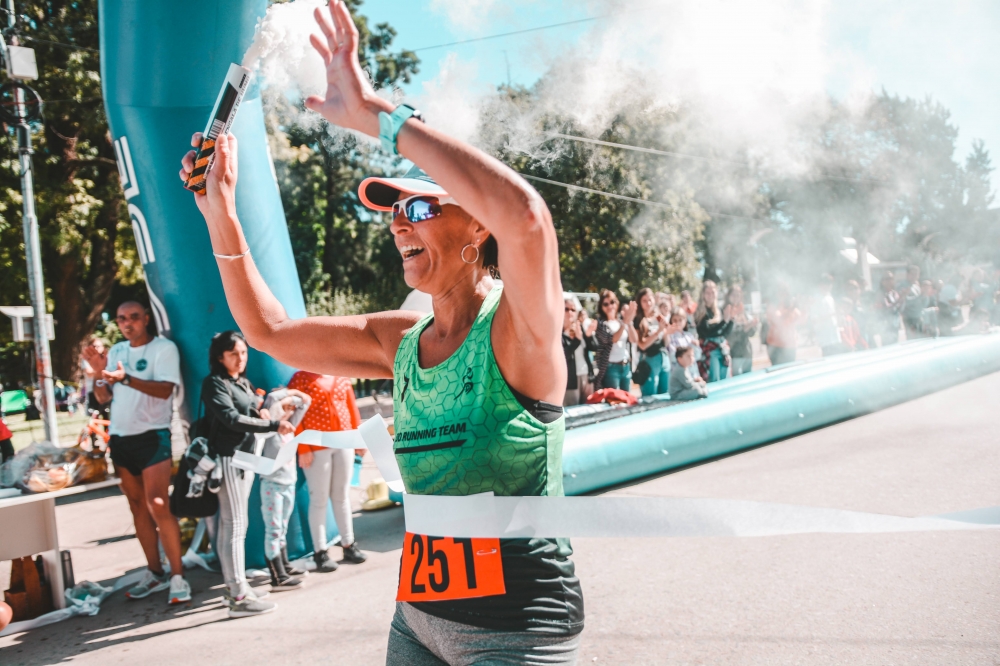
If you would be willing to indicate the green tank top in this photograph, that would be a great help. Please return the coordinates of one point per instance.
(460, 430)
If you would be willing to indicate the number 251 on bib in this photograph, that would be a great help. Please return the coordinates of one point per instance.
(439, 568)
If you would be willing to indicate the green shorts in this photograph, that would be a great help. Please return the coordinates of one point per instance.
(137, 452)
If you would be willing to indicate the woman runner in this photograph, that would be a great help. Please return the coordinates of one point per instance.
(477, 382)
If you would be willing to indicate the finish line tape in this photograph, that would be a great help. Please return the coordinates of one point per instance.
(487, 516)
(372, 435)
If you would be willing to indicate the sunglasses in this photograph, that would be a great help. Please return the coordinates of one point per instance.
(607, 303)
(570, 309)
(421, 207)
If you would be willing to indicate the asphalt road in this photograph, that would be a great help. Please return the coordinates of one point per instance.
(917, 598)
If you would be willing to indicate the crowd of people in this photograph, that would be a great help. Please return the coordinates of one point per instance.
(137, 379)
(645, 344)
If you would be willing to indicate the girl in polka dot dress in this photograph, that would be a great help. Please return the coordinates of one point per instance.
(328, 471)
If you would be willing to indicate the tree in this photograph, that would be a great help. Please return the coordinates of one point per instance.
(604, 242)
(346, 259)
(83, 222)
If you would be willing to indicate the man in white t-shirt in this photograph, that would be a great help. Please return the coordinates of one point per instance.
(138, 378)
(826, 328)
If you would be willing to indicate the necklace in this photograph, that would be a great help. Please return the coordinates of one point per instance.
(141, 364)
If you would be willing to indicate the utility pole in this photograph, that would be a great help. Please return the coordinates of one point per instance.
(18, 67)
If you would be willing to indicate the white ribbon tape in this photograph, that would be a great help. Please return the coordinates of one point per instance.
(489, 516)
(343, 439)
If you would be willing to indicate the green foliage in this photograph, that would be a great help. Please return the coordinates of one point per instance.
(604, 241)
(83, 222)
(886, 177)
(340, 247)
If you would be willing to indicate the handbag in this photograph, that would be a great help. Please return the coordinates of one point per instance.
(181, 505)
(642, 371)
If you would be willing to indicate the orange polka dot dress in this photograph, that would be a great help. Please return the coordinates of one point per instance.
(333, 405)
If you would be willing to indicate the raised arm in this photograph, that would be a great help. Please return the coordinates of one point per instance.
(529, 318)
(356, 346)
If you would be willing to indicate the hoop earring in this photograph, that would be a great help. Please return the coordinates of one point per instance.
(475, 259)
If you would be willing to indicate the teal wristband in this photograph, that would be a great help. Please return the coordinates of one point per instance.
(389, 125)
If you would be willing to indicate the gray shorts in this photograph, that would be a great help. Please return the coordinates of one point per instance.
(419, 639)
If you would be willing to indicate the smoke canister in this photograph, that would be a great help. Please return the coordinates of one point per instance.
(223, 114)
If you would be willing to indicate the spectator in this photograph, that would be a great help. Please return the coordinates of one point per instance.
(277, 490)
(232, 416)
(913, 303)
(949, 316)
(90, 375)
(685, 383)
(739, 335)
(328, 471)
(653, 331)
(665, 303)
(981, 293)
(714, 324)
(144, 372)
(680, 337)
(851, 338)
(824, 317)
(783, 316)
(928, 315)
(572, 342)
(614, 333)
(689, 306)
(584, 364)
(887, 307)
(859, 311)
(6, 447)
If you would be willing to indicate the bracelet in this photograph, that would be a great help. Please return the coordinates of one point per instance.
(231, 256)
(389, 125)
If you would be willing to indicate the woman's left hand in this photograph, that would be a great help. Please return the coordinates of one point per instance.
(350, 98)
(285, 428)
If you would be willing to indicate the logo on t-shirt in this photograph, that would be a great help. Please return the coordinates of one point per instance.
(141, 364)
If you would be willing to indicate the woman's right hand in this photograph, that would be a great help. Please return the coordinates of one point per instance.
(285, 428)
(629, 311)
(305, 459)
(218, 199)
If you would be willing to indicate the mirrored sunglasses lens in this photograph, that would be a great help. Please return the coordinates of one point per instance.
(419, 210)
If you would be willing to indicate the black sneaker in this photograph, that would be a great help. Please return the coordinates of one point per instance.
(353, 554)
(324, 563)
(280, 580)
(290, 569)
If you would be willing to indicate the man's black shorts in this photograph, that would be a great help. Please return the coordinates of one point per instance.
(137, 452)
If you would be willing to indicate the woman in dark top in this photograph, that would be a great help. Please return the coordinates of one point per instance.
(739, 336)
(232, 417)
(572, 338)
(614, 333)
(713, 327)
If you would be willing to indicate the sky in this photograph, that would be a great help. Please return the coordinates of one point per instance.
(947, 50)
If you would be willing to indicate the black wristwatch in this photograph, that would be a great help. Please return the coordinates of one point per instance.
(126, 380)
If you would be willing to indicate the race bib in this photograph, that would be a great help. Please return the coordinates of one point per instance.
(439, 568)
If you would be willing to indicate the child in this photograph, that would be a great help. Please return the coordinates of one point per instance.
(685, 383)
(277, 490)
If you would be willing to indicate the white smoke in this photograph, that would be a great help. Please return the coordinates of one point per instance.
(756, 71)
(281, 53)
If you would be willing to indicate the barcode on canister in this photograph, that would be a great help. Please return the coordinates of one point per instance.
(217, 128)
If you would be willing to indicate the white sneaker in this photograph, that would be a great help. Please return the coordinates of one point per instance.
(150, 583)
(180, 590)
(248, 606)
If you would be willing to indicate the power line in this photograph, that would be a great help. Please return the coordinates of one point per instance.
(65, 46)
(508, 34)
(646, 202)
(526, 30)
(667, 153)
